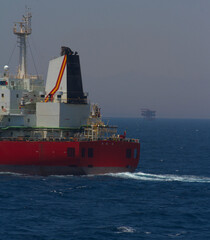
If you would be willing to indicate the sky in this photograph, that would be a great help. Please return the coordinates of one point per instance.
(134, 53)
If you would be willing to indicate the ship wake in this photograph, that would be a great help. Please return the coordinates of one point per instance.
(161, 177)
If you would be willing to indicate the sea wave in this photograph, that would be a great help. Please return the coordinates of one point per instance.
(161, 177)
(141, 176)
(12, 173)
(125, 229)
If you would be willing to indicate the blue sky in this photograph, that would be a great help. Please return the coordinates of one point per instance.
(133, 53)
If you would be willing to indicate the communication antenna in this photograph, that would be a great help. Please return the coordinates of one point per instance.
(22, 30)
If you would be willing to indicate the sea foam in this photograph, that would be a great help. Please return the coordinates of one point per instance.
(161, 177)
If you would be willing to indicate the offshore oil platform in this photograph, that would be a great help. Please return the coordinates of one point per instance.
(148, 114)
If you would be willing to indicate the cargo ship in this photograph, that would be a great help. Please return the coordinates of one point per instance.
(50, 128)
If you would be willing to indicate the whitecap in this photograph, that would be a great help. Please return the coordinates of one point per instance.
(161, 177)
(125, 229)
(62, 176)
(174, 235)
(12, 173)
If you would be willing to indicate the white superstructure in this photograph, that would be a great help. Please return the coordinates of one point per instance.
(26, 104)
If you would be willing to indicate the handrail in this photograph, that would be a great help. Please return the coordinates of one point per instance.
(50, 139)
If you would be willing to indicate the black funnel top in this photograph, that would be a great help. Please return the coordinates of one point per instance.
(75, 92)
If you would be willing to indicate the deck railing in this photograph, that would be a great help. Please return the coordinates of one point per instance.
(48, 139)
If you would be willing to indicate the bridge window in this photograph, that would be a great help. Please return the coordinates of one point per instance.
(128, 153)
(3, 83)
(90, 152)
(71, 152)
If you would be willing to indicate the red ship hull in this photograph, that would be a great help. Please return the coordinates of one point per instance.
(68, 158)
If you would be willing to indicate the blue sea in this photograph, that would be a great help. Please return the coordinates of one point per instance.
(168, 197)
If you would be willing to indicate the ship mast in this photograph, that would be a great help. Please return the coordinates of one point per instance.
(22, 30)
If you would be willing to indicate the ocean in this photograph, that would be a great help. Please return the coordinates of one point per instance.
(168, 197)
